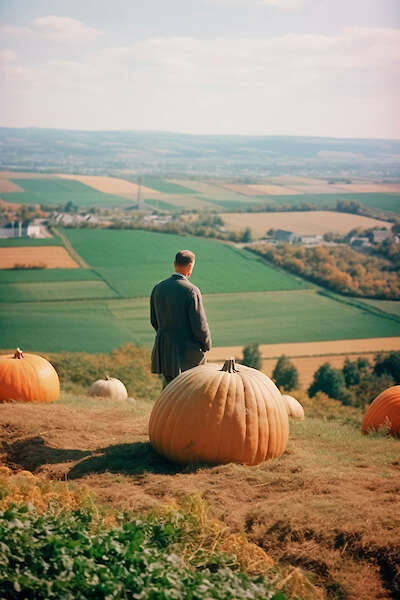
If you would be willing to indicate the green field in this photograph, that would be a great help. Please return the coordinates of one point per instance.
(55, 290)
(45, 275)
(238, 319)
(132, 261)
(60, 191)
(167, 187)
(26, 241)
(389, 306)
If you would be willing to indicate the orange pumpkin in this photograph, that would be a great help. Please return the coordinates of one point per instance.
(27, 378)
(217, 415)
(384, 412)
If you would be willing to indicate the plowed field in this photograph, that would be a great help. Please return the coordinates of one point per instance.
(316, 222)
(52, 257)
(262, 190)
(111, 185)
(312, 348)
(7, 186)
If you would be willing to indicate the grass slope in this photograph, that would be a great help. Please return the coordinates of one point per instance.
(61, 191)
(234, 319)
(46, 275)
(133, 261)
(319, 507)
(39, 291)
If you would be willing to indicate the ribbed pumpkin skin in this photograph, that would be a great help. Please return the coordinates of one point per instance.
(28, 379)
(109, 388)
(384, 411)
(210, 416)
(293, 407)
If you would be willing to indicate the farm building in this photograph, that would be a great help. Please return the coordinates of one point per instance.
(281, 235)
(311, 240)
(15, 229)
(380, 235)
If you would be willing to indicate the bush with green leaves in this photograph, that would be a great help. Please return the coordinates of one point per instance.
(285, 374)
(252, 356)
(71, 555)
(388, 364)
(330, 381)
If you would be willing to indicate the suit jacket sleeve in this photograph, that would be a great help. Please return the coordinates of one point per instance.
(153, 316)
(198, 321)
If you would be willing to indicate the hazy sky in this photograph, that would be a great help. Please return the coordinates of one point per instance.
(266, 67)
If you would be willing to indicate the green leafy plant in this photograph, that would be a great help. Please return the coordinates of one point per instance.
(70, 555)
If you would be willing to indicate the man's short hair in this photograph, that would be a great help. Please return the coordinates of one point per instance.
(184, 258)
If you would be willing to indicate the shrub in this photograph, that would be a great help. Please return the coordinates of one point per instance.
(72, 555)
(129, 363)
(388, 364)
(330, 381)
(285, 374)
(252, 356)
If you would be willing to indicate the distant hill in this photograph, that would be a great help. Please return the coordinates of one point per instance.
(248, 157)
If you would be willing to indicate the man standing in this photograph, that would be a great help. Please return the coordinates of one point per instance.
(177, 315)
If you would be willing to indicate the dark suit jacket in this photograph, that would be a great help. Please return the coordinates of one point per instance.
(177, 315)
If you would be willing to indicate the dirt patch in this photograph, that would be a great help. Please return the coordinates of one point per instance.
(316, 222)
(49, 257)
(315, 507)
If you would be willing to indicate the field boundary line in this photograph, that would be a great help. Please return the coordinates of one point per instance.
(71, 251)
(358, 303)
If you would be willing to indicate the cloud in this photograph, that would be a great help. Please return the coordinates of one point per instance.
(311, 84)
(53, 28)
(7, 56)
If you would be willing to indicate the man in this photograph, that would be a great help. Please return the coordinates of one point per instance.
(177, 315)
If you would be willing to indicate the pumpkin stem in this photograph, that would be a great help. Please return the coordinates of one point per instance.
(18, 353)
(229, 366)
(107, 378)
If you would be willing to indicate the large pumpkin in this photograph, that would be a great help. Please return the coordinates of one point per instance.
(293, 407)
(27, 378)
(384, 412)
(110, 387)
(217, 415)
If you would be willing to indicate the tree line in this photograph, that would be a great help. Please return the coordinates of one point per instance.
(338, 268)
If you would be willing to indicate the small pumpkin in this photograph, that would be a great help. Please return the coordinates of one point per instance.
(27, 378)
(217, 415)
(384, 412)
(109, 387)
(293, 407)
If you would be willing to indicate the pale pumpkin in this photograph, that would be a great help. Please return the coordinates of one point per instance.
(384, 412)
(216, 415)
(110, 387)
(293, 407)
(27, 378)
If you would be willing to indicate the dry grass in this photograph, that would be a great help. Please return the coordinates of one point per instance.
(261, 189)
(7, 186)
(330, 505)
(307, 365)
(52, 257)
(313, 349)
(316, 222)
(111, 185)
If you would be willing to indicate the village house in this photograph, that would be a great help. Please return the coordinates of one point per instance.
(379, 235)
(281, 235)
(30, 228)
